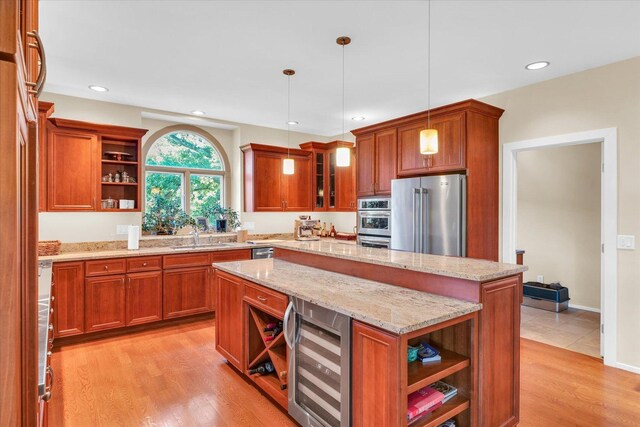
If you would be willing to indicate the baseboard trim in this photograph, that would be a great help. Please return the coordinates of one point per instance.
(630, 368)
(585, 308)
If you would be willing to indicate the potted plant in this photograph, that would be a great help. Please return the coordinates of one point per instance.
(225, 218)
(165, 216)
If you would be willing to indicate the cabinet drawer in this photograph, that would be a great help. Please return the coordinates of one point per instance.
(266, 298)
(106, 266)
(147, 263)
(233, 255)
(186, 260)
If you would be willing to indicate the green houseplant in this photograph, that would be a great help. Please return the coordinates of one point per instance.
(165, 216)
(225, 218)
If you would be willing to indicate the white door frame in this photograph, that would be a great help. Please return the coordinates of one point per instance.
(609, 217)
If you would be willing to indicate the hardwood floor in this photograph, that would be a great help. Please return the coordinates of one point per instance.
(173, 376)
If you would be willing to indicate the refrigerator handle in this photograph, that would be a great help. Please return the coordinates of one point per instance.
(424, 220)
(417, 228)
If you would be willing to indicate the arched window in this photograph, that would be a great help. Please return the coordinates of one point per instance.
(183, 166)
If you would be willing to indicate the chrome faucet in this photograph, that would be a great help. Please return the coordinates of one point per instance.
(196, 236)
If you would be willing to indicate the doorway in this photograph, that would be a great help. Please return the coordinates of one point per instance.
(608, 217)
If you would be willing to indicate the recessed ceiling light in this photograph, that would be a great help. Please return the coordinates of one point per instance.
(198, 112)
(98, 88)
(537, 65)
(358, 118)
(292, 122)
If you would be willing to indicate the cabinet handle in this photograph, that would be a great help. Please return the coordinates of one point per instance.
(53, 298)
(50, 327)
(144, 264)
(106, 267)
(51, 310)
(129, 282)
(36, 88)
(263, 299)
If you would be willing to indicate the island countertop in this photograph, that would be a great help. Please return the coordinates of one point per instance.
(462, 268)
(392, 308)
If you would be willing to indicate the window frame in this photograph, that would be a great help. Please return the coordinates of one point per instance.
(186, 172)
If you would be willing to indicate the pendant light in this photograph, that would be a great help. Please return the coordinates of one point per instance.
(429, 136)
(288, 165)
(343, 154)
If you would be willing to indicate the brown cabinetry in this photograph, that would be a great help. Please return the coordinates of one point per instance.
(45, 109)
(72, 170)
(79, 154)
(333, 187)
(144, 297)
(105, 303)
(229, 319)
(186, 291)
(68, 305)
(376, 163)
(267, 189)
(467, 144)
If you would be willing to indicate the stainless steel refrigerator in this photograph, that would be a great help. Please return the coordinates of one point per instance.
(428, 215)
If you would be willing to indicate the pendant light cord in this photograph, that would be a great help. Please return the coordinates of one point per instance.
(288, 116)
(343, 133)
(429, 66)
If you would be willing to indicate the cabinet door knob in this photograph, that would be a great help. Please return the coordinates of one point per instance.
(106, 267)
(144, 264)
(263, 299)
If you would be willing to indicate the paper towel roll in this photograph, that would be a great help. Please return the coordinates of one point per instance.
(133, 234)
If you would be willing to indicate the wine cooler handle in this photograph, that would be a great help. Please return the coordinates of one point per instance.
(285, 325)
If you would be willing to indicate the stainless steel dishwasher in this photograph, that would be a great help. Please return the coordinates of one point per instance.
(319, 340)
(261, 253)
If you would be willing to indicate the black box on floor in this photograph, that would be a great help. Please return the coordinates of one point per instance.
(547, 297)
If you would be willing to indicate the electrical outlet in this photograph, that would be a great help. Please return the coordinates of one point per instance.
(540, 278)
(626, 242)
(122, 229)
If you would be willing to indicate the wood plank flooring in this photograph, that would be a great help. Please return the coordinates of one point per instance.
(174, 377)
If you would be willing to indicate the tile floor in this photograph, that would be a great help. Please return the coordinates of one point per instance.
(572, 329)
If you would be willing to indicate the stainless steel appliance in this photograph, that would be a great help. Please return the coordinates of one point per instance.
(319, 340)
(260, 253)
(428, 215)
(303, 228)
(375, 242)
(374, 217)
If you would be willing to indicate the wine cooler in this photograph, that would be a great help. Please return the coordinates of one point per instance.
(319, 340)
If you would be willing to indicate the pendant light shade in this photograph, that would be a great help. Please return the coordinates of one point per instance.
(343, 157)
(288, 166)
(343, 154)
(428, 141)
(429, 136)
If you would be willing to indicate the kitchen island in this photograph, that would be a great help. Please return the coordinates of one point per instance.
(467, 308)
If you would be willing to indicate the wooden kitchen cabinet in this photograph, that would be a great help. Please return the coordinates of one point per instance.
(229, 319)
(333, 187)
(68, 305)
(186, 291)
(105, 303)
(451, 146)
(45, 109)
(144, 297)
(72, 170)
(376, 163)
(267, 189)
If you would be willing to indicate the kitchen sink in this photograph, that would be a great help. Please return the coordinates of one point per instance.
(203, 246)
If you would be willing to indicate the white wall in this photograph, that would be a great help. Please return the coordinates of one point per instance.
(559, 218)
(98, 226)
(599, 98)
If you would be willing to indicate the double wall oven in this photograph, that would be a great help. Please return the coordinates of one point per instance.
(374, 222)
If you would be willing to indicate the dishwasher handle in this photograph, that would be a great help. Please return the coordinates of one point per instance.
(285, 325)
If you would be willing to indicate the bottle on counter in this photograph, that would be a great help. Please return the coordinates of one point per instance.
(332, 233)
(265, 368)
(323, 231)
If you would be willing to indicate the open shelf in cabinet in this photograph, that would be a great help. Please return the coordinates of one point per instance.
(448, 410)
(457, 343)
(111, 164)
(260, 351)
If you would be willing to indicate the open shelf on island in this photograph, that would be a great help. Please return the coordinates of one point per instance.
(448, 410)
(422, 374)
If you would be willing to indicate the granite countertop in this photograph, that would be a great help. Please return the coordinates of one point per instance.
(462, 268)
(44, 299)
(392, 308)
(162, 250)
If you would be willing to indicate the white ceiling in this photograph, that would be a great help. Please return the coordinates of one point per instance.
(226, 57)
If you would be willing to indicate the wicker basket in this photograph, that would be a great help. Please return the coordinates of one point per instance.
(49, 247)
